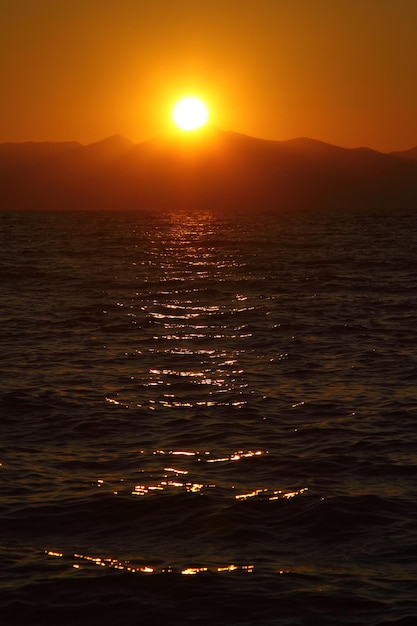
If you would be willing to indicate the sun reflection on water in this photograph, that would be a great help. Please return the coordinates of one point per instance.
(195, 325)
(190, 476)
(79, 561)
(180, 307)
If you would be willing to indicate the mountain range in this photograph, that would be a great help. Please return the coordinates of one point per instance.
(208, 169)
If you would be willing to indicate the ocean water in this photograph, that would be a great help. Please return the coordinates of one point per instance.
(208, 419)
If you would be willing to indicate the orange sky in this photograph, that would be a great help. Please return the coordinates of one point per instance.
(343, 71)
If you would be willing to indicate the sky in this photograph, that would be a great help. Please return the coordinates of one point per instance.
(341, 71)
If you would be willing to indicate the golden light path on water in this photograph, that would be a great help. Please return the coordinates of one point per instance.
(186, 308)
(196, 337)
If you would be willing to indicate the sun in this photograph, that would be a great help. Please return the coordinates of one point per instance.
(190, 113)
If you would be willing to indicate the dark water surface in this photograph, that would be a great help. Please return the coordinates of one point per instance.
(208, 419)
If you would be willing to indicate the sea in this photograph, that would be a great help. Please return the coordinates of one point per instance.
(208, 418)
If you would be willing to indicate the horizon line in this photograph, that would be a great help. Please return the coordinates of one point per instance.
(198, 132)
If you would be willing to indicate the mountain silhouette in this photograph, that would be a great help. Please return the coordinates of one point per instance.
(406, 154)
(207, 169)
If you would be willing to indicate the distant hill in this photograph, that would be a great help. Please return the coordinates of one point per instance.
(406, 154)
(27, 154)
(209, 169)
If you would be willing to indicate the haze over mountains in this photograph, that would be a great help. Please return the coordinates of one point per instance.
(209, 169)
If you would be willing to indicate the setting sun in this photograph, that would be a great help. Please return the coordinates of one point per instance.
(190, 113)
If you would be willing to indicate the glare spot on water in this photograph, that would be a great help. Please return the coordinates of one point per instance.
(237, 456)
(176, 471)
(194, 570)
(274, 495)
(251, 494)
